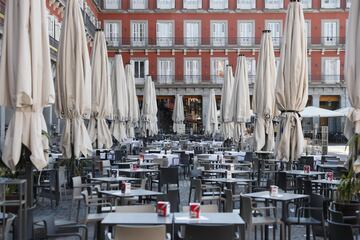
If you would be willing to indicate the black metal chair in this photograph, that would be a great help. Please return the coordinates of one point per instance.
(172, 196)
(184, 163)
(341, 231)
(168, 176)
(209, 232)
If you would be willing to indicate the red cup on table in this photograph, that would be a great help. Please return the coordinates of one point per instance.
(194, 210)
(306, 168)
(329, 176)
(163, 208)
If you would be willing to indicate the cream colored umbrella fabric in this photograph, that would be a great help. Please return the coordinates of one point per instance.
(120, 99)
(227, 124)
(146, 118)
(264, 95)
(241, 112)
(154, 110)
(26, 83)
(133, 109)
(211, 126)
(292, 84)
(178, 115)
(73, 83)
(352, 75)
(101, 100)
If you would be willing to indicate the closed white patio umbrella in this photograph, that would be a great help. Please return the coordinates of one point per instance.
(211, 126)
(73, 83)
(146, 111)
(292, 84)
(133, 111)
(352, 78)
(26, 83)
(178, 115)
(120, 99)
(154, 110)
(241, 112)
(227, 124)
(264, 95)
(101, 100)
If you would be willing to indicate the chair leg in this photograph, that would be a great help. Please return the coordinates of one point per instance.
(78, 211)
(289, 232)
(255, 232)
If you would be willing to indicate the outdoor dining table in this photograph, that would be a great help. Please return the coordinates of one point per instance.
(141, 165)
(282, 197)
(183, 218)
(231, 182)
(305, 174)
(224, 172)
(109, 180)
(118, 218)
(140, 171)
(330, 166)
(327, 186)
(139, 192)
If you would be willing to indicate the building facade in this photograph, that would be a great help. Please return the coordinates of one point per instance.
(186, 44)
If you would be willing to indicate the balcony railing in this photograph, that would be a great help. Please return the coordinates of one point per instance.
(327, 78)
(89, 25)
(53, 42)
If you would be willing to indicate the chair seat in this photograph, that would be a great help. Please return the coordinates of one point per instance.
(302, 221)
(264, 220)
(96, 217)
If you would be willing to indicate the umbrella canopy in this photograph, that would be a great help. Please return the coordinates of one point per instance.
(133, 110)
(178, 115)
(149, 108)
(292, 84)
(73, 83)
(311, 111)
(344, 111)
(211, 126)
(264, 95)
(241, 99)
(227, 124)
(120, 99)
(101, 100)
(154, 110)
(26, 83)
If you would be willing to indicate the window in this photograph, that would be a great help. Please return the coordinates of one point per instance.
(138, 34)
(192, 33)
(246, 4)
(138, 4)
(165, 4)
(217, 69)
(51, 25)
(218, 4)
(276, 30)
(140, 68)
(251, 64)
(192, 4)
(112, 33)
(307, 4)
(330, 32)
(112, 4)
(331, 70)
(166, 70)
(274, 4)
(218, 34)
(192, 71)
(308, 30)
(164, 34)
(330, 3)
(246, 33)
(348, 3)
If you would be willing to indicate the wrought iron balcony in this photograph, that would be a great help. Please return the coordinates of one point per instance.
(89, 25)
(327, 79)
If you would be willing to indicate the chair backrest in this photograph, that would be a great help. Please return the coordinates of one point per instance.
(156, 232)
(76, 186)
(169, 175)
(8, 223)
(281, 180)
(307, 186)
(62, 175)
(335, 216)
(210, 208)
(340, 231)
(198, 190)
(105, 167)
(317, 201)
(246, 209)
(209, 232)
(228, 200)
(50, 226)
(136, 208)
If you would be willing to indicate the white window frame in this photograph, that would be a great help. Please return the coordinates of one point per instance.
(348, 3)
(137, 41)
(246, 40)
(330, 78)
(192, 4)
(166, 78)
(219, 41)
(136, 5)
(165, 4)
(114, 41)
(308, 35)
(330, 4)
(112, 4)
(307, 5)
(192, 41)
(251, 67)
(276, 39)
(274, 4)
(246, 4)
(167, 41)
(219, 4)
(214, 77)
(133, 63)
(192, 79)
(328, 39)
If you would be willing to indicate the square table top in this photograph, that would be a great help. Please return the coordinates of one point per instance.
(224, 171)
(331, 165)
(136, 219)
(137, 170)
(114, 179)
(183, 218)
(133, 193)
(302, 173)
(325, 181)
(283, 196)
(228, 180)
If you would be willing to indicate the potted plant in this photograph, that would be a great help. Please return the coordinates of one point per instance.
(349, 187)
